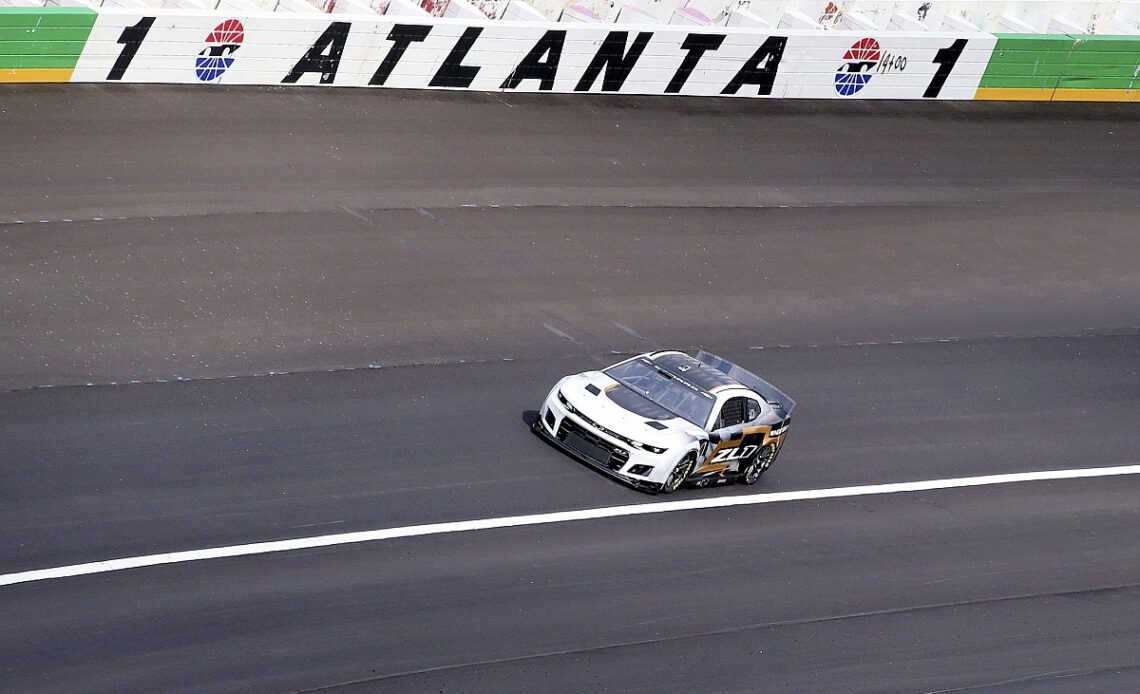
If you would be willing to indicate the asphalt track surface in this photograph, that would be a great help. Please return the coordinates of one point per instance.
(946, 289)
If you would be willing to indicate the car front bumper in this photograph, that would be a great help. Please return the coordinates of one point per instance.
(556, 424)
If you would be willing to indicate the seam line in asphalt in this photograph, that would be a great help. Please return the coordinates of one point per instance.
(275, 546)
(1087, 334)
(741, 629)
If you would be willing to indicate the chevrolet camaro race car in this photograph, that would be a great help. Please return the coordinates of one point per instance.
(663, 419)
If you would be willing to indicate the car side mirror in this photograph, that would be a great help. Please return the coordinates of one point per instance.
(714, 438)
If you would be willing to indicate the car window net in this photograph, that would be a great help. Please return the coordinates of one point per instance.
(733, 412)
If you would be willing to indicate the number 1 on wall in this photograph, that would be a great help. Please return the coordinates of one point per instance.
(131, 38)
(946, 59)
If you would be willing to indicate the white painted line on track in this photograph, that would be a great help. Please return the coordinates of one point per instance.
(98, 567)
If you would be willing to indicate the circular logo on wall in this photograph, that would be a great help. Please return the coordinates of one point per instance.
(217, 56)
(858, 67)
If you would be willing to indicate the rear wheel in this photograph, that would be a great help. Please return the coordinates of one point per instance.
(681, 471)
(756, 467)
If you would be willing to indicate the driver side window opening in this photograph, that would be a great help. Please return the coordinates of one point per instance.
(738, 411)
(732, 413)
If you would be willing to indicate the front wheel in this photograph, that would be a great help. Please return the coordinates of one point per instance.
(680, 472)
(761, 462)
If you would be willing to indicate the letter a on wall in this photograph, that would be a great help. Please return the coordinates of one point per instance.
(533, 67)
(770, 52)
(323, 56)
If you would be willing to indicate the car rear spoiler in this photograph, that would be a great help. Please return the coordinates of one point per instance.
(774, 396)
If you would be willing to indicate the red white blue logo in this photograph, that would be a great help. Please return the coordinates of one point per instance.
(217, 56)
(858, 67)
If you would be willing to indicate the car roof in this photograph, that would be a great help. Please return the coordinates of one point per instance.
(688, 369)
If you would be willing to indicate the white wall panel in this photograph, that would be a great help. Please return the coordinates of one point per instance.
(265, 48)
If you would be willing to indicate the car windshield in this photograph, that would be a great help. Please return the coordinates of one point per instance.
(676, 396)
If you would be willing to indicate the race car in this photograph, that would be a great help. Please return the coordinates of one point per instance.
(665, 419)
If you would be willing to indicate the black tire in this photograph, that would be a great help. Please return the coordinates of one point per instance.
(680, 472)
(758, 465)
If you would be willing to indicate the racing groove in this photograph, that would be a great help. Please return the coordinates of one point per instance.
(327, 237)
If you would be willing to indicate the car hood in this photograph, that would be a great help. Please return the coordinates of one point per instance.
(579, 391)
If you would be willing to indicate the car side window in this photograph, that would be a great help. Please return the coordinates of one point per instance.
(732, 413)
(751, 409)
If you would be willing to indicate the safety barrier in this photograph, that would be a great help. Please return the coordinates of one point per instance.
(42, 44)
(421, 52)
(1063, 68)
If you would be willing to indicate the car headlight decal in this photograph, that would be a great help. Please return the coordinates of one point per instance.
(646, 447)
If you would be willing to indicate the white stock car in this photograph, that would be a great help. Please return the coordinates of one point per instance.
(663, 419)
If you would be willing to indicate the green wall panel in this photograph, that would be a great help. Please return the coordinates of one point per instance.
(1067, 62)
(43, 37)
